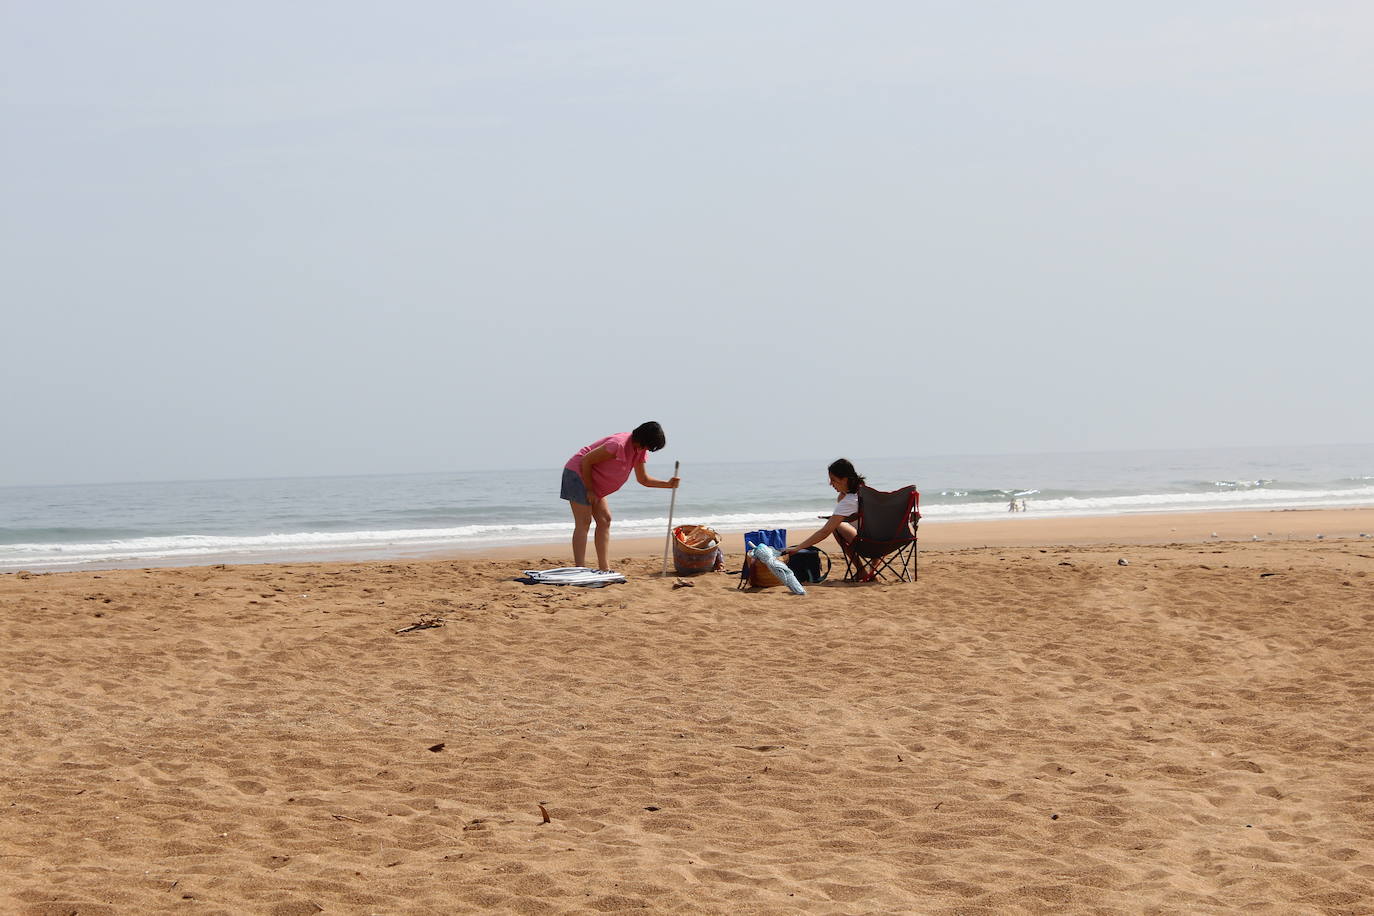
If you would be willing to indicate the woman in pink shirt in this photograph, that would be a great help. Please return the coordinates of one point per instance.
(597, 471)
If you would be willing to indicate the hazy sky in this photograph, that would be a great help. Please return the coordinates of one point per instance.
(258, 239)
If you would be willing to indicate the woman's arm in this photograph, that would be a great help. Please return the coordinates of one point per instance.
(594, 457)
(821, 534)
(643, 477)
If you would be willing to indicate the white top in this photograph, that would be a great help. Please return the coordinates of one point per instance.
(847, 506)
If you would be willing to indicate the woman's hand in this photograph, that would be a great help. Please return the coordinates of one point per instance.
(673, 484)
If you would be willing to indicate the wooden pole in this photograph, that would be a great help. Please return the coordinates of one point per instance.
(672, 504)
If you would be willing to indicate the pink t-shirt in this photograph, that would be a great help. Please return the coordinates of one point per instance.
(610, 475)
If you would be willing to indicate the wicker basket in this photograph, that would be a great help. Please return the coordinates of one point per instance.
(760, 576)
(691, 553)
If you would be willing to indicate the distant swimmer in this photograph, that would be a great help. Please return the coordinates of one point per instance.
(1023, 505)
(1011, 506)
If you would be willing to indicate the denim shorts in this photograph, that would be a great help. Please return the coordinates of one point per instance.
(574, 490)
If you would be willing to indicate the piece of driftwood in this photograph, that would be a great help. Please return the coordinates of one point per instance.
(426, 622)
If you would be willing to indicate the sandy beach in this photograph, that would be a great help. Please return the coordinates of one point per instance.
(1033, 727)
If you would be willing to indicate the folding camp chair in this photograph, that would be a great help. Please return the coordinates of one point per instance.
(885, 545)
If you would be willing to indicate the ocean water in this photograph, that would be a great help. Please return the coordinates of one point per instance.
(292, 519)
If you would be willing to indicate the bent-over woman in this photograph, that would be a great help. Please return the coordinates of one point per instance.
(598, 470)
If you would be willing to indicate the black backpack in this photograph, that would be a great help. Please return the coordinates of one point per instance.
(806, 564)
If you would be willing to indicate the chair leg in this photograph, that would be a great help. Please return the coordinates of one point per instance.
(851, 562)
(899, 565)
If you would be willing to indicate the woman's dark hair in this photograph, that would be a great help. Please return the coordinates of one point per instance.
(843, 468)
(649, 436)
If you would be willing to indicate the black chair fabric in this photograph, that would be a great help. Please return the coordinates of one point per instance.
(885, 544)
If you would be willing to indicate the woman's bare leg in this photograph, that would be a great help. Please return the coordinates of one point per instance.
(601, 513)
(582, 521)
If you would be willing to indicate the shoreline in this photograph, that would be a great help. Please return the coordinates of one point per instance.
(1214, 526)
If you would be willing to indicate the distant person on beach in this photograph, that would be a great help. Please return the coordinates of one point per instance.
(597, 471)
(846, 481)
(1011, 506)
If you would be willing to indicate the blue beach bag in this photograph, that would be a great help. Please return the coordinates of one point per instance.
(772, 537)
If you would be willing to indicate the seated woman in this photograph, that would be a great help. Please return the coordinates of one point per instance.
(846, 482)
